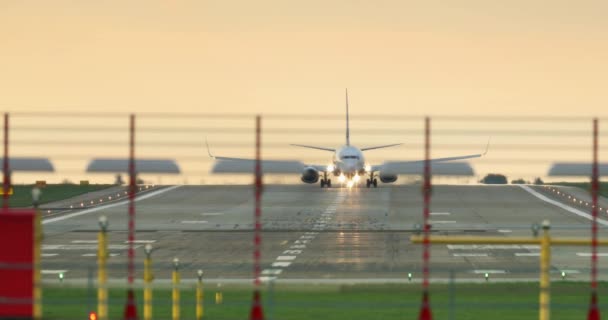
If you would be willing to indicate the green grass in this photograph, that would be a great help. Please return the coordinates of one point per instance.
(464, 301)
(22, 196)
(584, 186)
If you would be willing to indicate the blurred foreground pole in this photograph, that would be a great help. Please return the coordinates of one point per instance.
(6, 185)
(102, 254)
(131, 306)
(544, 312)
(148, 277)
(199, 296)
(594, 311)
(37, 243)
(175, 310)
(425, 308)
(256, 308)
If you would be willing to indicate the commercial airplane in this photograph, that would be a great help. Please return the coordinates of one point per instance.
(348, 165)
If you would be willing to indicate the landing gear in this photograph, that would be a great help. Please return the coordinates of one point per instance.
(371, 181)
(325, 182)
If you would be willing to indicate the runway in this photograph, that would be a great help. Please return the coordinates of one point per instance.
(325, 235)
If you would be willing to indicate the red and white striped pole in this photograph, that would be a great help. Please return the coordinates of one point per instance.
(6, 185)
(257, 312)
(131, 307)
(594, 311)
(425, 308)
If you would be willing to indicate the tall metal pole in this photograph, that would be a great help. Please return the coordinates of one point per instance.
(594, 312)
(6, 182)
(425, 308)
(131, 307)
(256, 308)
(131, 271)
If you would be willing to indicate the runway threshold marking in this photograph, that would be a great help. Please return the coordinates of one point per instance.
(112, 205)
(563, 206)
(289, 256)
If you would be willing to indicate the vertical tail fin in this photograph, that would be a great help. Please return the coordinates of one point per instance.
(347, 122)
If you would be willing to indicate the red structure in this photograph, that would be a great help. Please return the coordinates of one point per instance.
(594, 311)
(257, 312)
(18, 230)
(131, 306)
(425, 308)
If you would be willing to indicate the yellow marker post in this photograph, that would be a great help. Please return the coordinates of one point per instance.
(148, 277)
(219, 296)
(175, 293)
(102, 254)
(200, 311)
(37, 312)
(545, 258)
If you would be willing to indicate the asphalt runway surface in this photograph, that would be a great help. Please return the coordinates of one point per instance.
(323, 235)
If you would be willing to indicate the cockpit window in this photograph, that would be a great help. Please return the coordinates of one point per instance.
(350, 157)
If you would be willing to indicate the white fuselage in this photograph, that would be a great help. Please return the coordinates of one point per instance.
(348, 161)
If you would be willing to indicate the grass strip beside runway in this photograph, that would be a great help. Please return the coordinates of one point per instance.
(497, 301)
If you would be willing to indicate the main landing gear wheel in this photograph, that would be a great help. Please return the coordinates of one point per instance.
(326, 183)
(368, 183)
(375, 182)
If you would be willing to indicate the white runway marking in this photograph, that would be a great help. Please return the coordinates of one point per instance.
(588, 254)
(194, 221)
(492, 247)
(298, 246)
(441, 221)
(563, 206)
(292, 251)
(272, 271)
(570, 271)
(95, 255)
(142, 241)
(267, 279)
(53, 271)
(49, 254)
(212, 213)
(470, 254)
(440, 213)
(504, 230)
(80, 213)
(281, 264)
(488, 271)
(84, 241)
(286, 257)
(527, 254)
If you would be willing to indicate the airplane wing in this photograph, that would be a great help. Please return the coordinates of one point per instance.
(439, 166)
(380, 147)
(229, 165)
(417, 168)
(314, 147)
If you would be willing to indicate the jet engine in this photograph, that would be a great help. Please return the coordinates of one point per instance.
(310, 175)
(387, 177)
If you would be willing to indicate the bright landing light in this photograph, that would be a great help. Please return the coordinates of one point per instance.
(330, 168)
(350, 184)
(341, 178)
(356, 178)
(368, 168)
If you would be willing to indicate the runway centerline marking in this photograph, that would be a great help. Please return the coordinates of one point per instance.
(112, 205)
(563, 206)
(298, 246)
